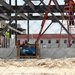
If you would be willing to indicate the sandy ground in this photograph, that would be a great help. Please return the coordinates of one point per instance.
(47, 66)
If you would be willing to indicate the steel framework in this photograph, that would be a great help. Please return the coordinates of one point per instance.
(6, 9)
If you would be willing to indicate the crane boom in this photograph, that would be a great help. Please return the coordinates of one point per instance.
(43, 22)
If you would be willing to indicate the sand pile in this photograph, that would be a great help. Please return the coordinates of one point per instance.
(42, 66)
(49, 63)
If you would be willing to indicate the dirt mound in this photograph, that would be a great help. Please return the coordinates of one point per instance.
(41, 66)
(49, 63)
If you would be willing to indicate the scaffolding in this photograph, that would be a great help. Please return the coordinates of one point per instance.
(26, 11)
(68, 11)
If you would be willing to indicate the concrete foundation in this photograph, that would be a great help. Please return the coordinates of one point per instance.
(44, 52)
(57, 52)
(8, 52)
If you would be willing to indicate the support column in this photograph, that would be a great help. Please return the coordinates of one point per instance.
(15, 22)
(28, 28)
(10, 17)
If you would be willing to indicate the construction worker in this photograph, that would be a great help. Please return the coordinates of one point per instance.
(7, 34)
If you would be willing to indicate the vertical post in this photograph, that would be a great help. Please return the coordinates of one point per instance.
(68, 26)
(7, 40)
(10, 17)
(15, 22)
(28, 28)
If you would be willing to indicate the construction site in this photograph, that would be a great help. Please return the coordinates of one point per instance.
(37, 37)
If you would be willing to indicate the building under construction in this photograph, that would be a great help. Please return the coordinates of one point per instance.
(17, 42)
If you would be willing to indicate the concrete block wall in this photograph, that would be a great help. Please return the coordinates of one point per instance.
(8, 52)
(72, 44)
(56, 52)
(53, 44)
(63, 44)
(45, 50)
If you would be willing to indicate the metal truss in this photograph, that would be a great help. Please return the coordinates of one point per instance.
(7, 9)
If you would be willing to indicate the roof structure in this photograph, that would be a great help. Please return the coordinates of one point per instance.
(8, 8)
